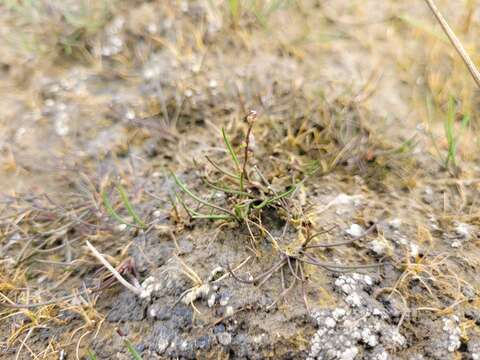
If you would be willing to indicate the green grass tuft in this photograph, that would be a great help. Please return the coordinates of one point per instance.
(126, 203)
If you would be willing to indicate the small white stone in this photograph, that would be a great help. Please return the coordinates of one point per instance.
(382, 356)
(456, 244)
(224, 300)
(211, 300)
(369, 338)
(61, 124)
(347, 288)
(463, 230)
(130, 114)
(355, 230)
(19, 133)
(224, 338)
(121, 227)
(229, 311)
(354, 300)
(368, 280)
(162, 345)
(339, 313)
(330, 322)
(414, 250)
(378, 247)
(395, 224)
(49, 102)
(398, 338)
(344, 199)
(349, 354)
(152, 28)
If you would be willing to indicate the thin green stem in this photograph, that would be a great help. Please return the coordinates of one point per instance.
(226, 172)
(111, 211)
(131, 349)
(184, 188)
(268, 201)
(129, 207)
(231, 151)
(228, 190)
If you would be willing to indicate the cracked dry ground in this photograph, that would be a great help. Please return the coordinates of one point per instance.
(339, 88)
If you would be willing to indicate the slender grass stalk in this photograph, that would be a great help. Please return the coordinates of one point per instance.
(223, 171)
(271, 200)
(196, 215)
(91, 355)
(251, 118)
(131, 350)
(184, 188)
(228, 190)
(129, 207)
(231, 151)
(450, 134)
(234, 7)
(455, 42)
(111, 211)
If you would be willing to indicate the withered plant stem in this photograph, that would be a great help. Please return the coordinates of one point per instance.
(455, 42)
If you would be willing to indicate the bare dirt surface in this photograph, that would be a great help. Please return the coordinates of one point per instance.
(351, 98)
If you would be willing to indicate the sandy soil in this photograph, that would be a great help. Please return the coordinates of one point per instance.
(352, 101)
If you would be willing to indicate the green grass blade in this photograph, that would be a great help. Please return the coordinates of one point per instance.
(234, 7)
(111, 211)
(465, 121)
(450, 134)
(223, 171)
(273, 199)
(131, 350)
(228, 190)
(184, 188)
(196, 215)
(91, 355)
(230, 150)
(129, 207)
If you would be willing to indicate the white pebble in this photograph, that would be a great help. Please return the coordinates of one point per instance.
(339, 313)
(211, 300)
(121, 227)
(354, 300)
(349, 354)
(330, 322)
(355, 230)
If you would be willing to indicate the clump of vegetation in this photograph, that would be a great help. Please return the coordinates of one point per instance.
(248, 197)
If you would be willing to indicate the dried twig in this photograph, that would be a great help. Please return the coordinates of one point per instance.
(455, 42)
(114, 272)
